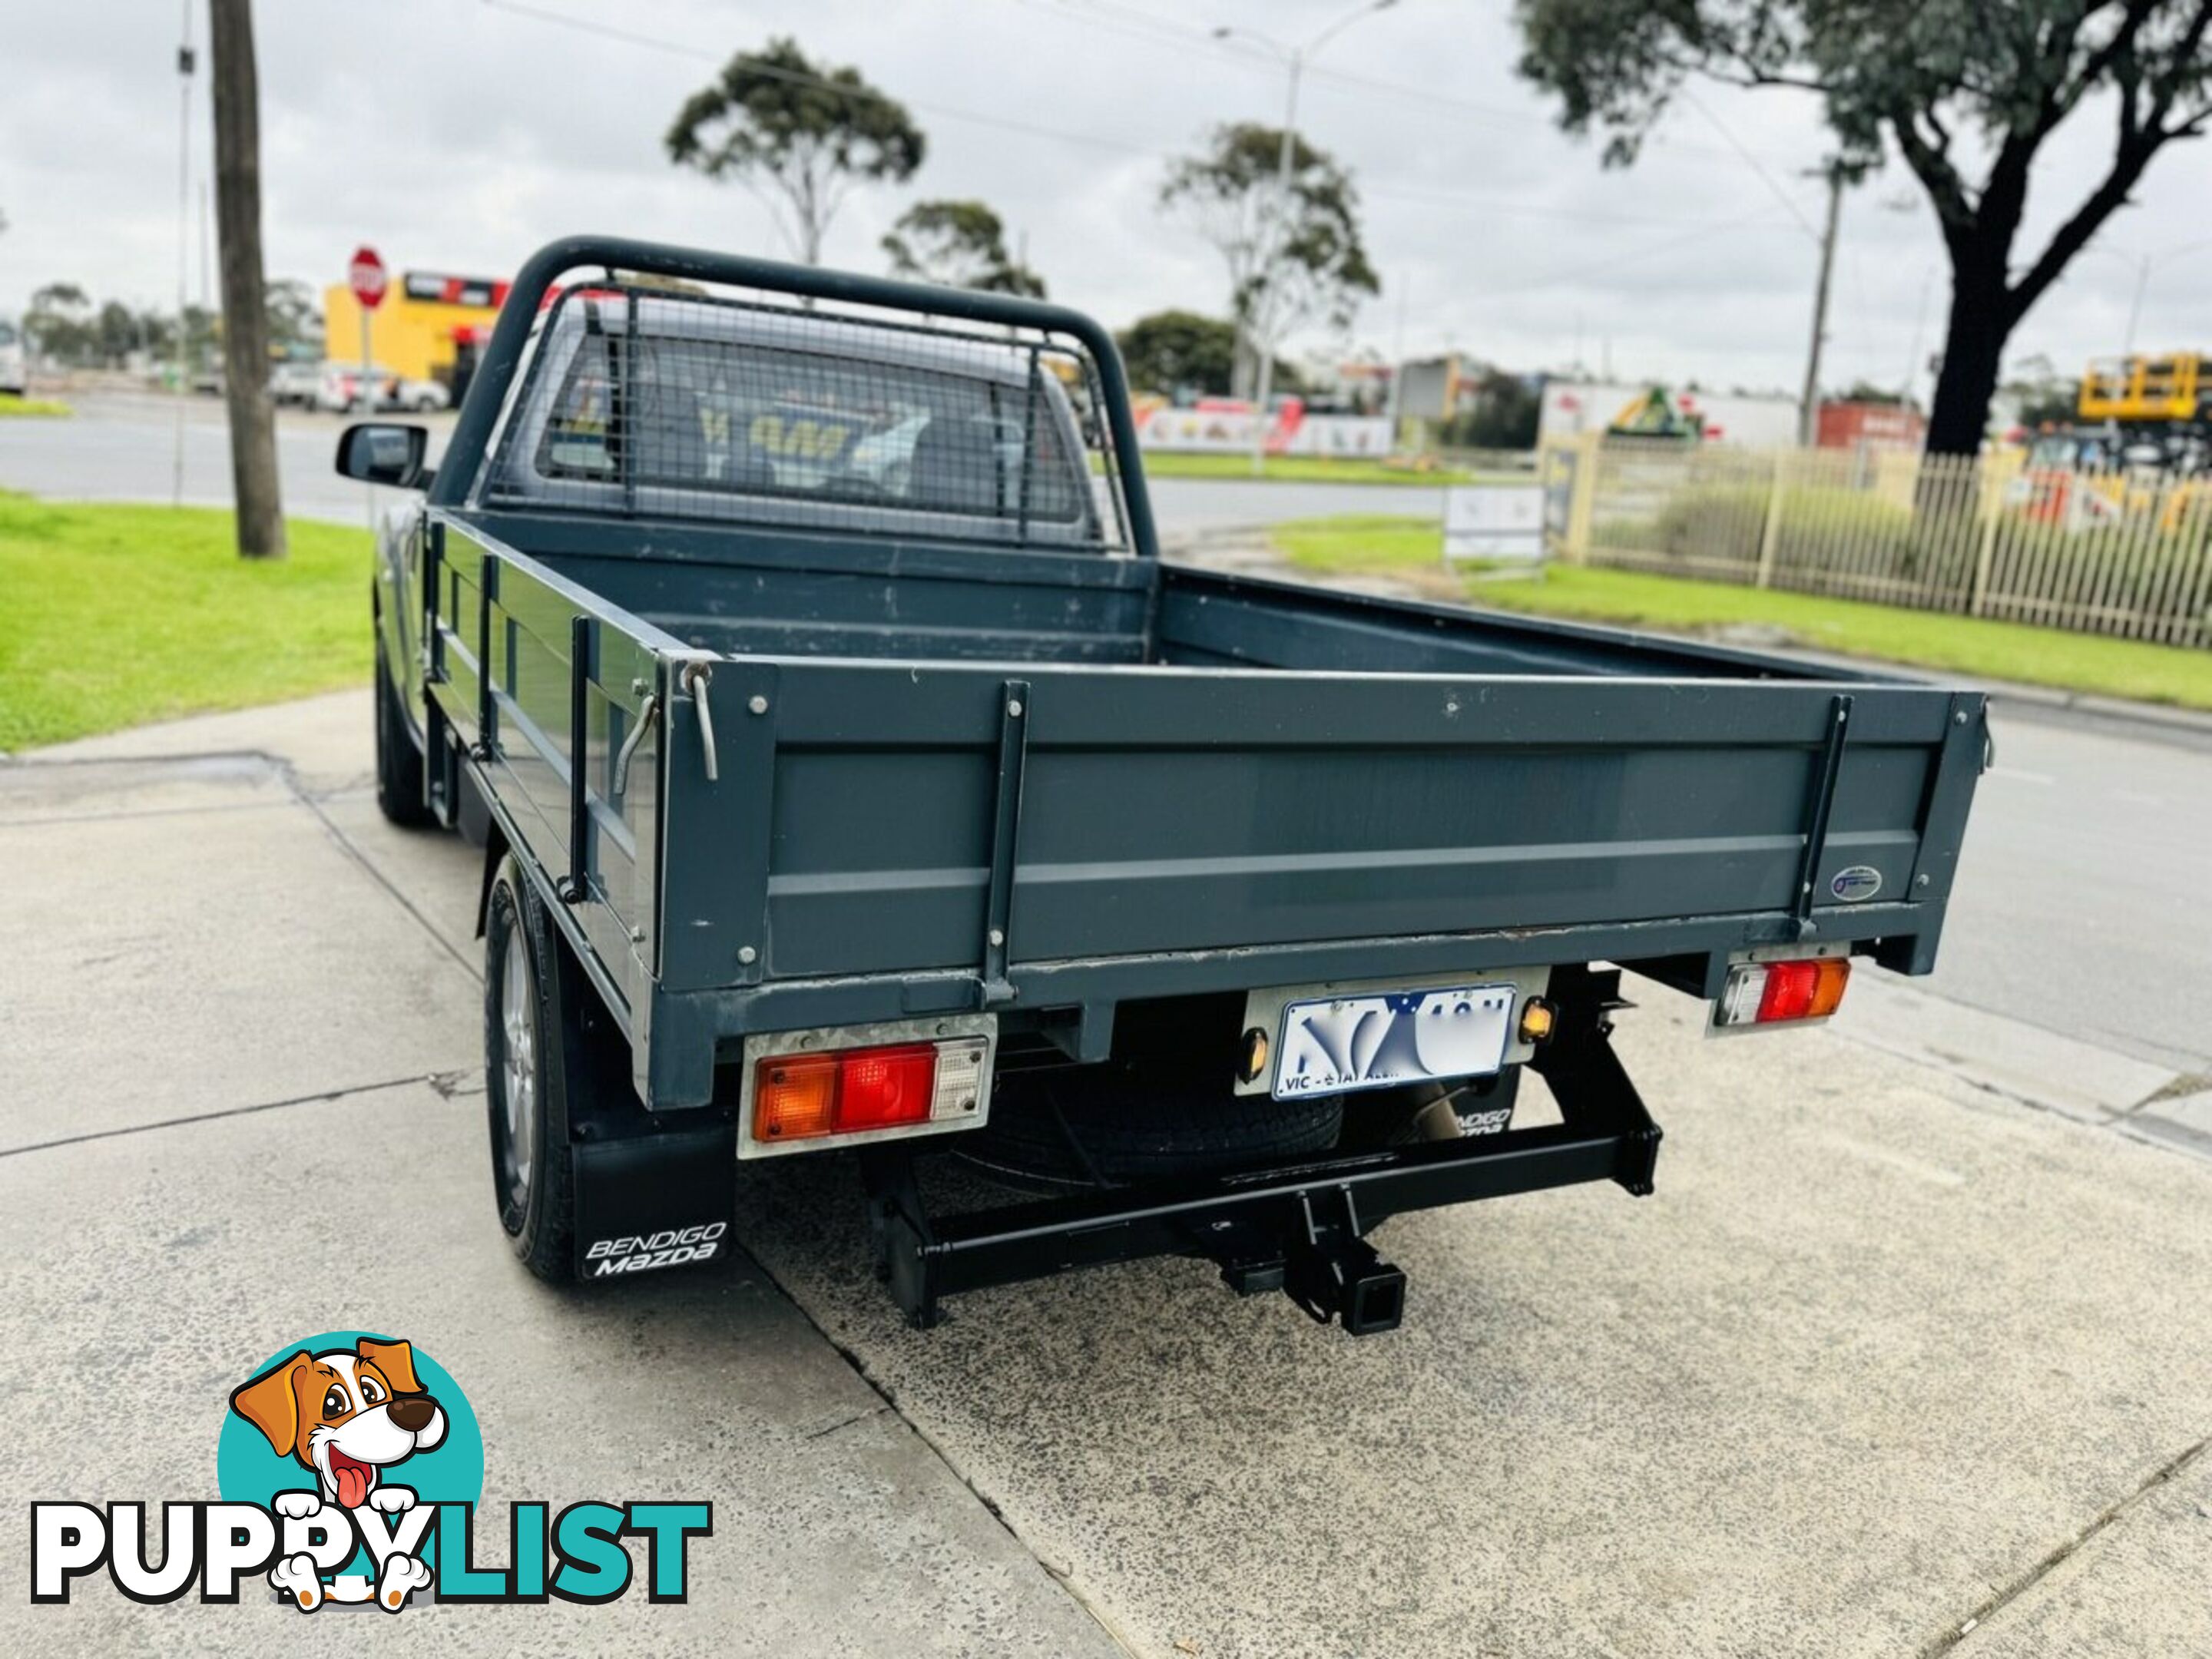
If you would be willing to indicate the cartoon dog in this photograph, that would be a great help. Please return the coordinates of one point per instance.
(346, 1415)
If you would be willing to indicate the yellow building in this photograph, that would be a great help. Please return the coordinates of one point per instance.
(417, 331)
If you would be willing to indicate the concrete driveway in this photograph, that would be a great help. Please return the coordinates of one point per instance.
(1898, 1350)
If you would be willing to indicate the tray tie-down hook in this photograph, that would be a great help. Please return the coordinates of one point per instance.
(694, 679)
(639, 727)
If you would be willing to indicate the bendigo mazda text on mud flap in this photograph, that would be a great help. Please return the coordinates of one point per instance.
(853, 774)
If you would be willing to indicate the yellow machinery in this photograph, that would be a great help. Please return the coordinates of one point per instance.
(2169, 388)
(2140, 447)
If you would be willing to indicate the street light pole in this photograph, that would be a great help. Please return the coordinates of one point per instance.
(2134, 305)
(1262, 340)
(2144, 264)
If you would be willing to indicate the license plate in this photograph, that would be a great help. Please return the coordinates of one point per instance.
(1332, 1045)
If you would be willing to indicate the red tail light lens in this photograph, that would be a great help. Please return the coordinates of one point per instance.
(878, 1087)
(1775, 992)
(1789, 993)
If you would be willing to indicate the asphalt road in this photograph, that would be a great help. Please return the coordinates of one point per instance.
(1905, 1352)
(123, 447)
(2084, 899)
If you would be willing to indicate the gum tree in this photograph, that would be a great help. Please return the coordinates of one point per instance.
(800, 135)
(1288, 265)
(1965, 93)
(958, 245)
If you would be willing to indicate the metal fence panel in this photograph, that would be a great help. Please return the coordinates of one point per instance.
(2091, 547)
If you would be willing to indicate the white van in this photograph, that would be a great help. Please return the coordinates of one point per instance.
(15, 368)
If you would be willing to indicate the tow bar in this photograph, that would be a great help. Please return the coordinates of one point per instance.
(1296, 1227)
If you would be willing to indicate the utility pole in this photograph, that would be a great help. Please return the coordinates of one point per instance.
(1808, 406)
(244, 311)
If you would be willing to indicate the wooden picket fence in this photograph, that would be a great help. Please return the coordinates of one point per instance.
(2093, 549)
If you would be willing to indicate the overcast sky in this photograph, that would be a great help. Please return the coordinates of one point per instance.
(455, 134)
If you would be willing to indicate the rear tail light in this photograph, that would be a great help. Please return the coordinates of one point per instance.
(1776, 992)
(859, 1092)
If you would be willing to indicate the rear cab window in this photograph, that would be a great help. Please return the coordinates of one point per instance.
(746, 418)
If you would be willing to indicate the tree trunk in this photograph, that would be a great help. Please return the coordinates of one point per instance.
(244, 314)
(1973, 344)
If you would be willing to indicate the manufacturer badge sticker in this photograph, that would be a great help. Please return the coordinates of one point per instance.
(1856, 884)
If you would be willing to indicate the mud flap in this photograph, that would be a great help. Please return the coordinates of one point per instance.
(653, 1201)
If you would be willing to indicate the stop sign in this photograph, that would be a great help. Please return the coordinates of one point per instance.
(366, 273)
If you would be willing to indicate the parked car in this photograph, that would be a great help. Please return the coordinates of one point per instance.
(297, 383)
(1227, 912)
(421, 397)
(344, 387)
(15, 366)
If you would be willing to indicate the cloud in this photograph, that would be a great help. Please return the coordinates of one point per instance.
(455, 137)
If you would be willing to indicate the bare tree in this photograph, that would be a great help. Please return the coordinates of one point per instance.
(245, 319)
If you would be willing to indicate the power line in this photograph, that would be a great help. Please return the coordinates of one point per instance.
(1752, 162)
(1169, 31)
(1637, 255)
(1385, 191)
(677, 48)
(1519, 208)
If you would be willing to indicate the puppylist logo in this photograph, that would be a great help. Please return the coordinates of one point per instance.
(349, 1466)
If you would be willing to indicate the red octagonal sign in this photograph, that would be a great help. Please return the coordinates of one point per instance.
(366, 273)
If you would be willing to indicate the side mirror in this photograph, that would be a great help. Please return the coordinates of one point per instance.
(385, 453)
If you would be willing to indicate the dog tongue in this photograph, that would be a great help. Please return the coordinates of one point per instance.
(353, 1485)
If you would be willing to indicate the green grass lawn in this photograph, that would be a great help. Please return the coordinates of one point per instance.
(1371, 545)
(17, 409)
(1304, 469)
(112, 616)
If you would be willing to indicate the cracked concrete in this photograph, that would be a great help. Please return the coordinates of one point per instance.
(241, 1101)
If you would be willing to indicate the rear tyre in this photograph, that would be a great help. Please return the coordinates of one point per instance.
(529, 1077)
(400, 794)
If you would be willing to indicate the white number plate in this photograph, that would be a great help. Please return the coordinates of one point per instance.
(1335, 1044)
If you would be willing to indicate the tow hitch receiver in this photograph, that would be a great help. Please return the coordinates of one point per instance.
(1298, 1227)
(1334, 1273)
